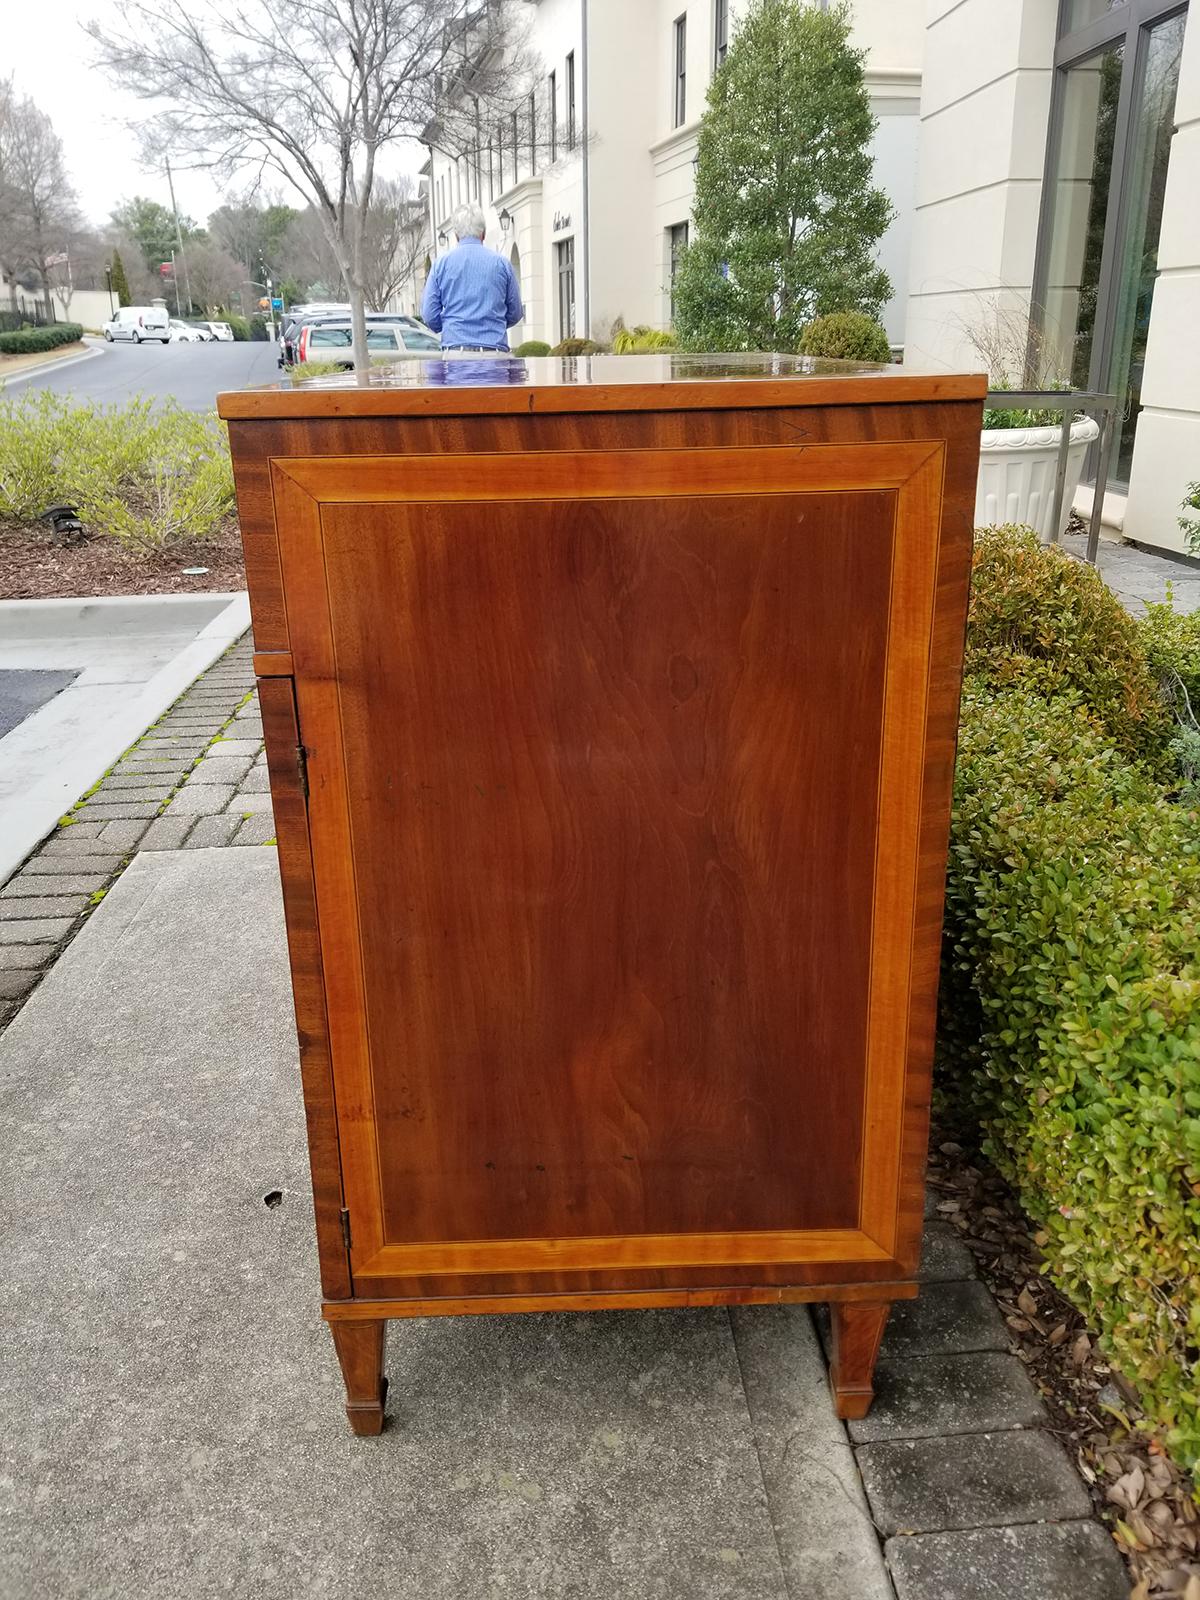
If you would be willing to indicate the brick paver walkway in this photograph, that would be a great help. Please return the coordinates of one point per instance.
(197, 777)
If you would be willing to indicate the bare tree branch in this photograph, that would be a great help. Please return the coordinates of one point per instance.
(317, 95)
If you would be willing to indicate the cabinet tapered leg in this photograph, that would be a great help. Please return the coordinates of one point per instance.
(857, 1332)
(359, 1347)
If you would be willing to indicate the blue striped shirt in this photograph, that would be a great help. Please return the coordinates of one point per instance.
(472, 297)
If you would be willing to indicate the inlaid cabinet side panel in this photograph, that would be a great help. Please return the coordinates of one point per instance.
(277, 700)
(960, 425)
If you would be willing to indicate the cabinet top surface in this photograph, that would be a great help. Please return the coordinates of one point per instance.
(461, 383)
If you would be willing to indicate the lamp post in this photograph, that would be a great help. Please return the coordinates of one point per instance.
(260, 283)
(108, 281)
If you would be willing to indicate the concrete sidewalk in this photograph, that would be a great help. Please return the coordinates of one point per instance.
(170, 1404)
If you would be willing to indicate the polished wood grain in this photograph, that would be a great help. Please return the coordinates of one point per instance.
(415, 569)
(343, 1311)
(276, 699)
(464, 387)
(273, 664)
(257, 444)
(856, 1330)
(360, 1349)
(312, 561)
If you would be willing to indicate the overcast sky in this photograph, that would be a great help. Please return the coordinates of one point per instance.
(48, 54)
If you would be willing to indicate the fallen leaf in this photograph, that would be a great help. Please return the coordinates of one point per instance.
(1141, 1590)
(1018, 1324)
(1192, 1591)
(1081, 1349)
(1027, 1303)
(1059, 1334)
(1146, 1534)
(1127, 1536)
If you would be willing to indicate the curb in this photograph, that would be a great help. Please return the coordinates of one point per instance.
(92, 351)
(143, 708)
(72, 870)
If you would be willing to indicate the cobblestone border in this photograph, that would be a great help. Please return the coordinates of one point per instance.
(196, 777)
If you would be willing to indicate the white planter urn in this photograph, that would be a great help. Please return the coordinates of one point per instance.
(1017, 469)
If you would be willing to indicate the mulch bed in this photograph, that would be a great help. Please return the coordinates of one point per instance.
(1144, 1498)
(34, 565)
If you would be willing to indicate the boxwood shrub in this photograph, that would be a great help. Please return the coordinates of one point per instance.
(28, 341)
(845, 336)
(1070, 1004)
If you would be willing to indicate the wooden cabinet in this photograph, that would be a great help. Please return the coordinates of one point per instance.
(610, 709)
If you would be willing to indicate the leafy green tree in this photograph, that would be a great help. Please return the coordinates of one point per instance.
(153, 226)
(787, 218)
(120, 282)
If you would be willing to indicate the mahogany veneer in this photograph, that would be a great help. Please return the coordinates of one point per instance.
(610, 709)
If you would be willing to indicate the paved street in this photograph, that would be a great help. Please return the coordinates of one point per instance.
(194, 374)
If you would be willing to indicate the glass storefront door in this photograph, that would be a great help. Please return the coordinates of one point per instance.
(1102, 205)
(1152, 124)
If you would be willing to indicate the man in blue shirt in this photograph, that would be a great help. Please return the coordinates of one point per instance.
(472, 297)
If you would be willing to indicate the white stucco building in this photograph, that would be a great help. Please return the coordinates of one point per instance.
(1059, 169)
(592, 217)
(1043, 157)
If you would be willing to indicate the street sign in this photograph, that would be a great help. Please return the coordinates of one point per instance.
(276, 305)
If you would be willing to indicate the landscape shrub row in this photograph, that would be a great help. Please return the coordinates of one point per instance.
(28, 341)
(1070, 1003)
(143, 473)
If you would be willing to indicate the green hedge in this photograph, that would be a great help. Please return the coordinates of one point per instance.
(1070, 1002)
(532, 347)
(26, 341)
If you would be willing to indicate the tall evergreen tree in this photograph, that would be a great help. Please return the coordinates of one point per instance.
(120, 282)
(786, 216)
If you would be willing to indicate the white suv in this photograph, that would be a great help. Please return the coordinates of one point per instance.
(138, 323)
(217, 330)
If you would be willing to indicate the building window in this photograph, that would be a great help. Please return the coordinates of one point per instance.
(533, 161)
(1112, 120)
(720, 31)
(680, 71)
(553, 82)
(571, 101)
(677, 238)
(564, 254)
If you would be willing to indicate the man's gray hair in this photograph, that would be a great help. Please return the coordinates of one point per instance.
(469, 222)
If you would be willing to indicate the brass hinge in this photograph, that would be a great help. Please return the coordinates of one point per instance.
(302, 770)
(346, 1229)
